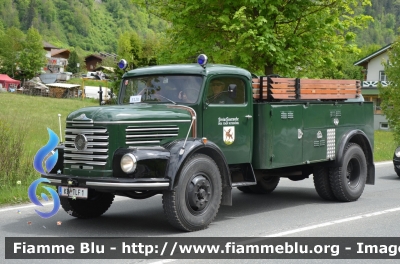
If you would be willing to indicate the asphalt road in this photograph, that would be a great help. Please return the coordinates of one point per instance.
(294, 209)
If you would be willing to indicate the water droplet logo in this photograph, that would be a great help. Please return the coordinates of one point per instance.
(48, 156)
(34, 199)
(44, 152)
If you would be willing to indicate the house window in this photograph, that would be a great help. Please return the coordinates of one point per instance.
(382, 76)
(383, 126)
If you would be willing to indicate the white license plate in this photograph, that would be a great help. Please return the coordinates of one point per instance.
(73, 192)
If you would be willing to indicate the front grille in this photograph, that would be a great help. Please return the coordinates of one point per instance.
(149, 136)
(96, 152)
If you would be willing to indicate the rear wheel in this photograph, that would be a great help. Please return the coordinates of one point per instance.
(322, 184)
(95, 205)
(265, 184)
(195, 201)
(348, 181)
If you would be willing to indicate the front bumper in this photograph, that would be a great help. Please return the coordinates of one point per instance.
(106, 183)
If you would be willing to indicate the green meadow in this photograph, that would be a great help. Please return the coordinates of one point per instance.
(23, 131)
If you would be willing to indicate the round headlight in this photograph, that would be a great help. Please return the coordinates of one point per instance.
(128, 163)
(397, 152)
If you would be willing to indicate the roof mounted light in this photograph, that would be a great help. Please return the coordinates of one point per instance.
(122, 64)
(202, 60)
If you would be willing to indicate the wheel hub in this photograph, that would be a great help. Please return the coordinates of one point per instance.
(353, 173)
(199, 193)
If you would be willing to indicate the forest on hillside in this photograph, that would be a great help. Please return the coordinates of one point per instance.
(91, 25)
(138, 29)
(95, 25)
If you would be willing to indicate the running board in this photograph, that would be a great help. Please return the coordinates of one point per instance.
(239, 184)
(243, 175)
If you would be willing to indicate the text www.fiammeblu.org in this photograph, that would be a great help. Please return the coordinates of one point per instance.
(233, 248)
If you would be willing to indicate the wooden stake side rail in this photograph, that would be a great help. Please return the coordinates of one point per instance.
(267, 88)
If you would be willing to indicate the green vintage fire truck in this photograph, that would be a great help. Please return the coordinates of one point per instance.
(194, 132)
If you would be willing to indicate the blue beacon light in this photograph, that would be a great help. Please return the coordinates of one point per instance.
(122, 64)
(202, 60)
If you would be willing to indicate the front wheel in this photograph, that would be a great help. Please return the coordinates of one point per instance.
(194, 202)
(348, 181)
(96, 204)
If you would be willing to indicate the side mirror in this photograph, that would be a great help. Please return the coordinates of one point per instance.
(232, 90)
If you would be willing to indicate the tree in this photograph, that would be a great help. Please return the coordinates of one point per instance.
(10, 47)
(32, 57)
(138, 51)
(261, 35)
(130, 48)
(73, 61)
(390, 95)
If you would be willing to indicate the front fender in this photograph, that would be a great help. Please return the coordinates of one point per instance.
(181, 151)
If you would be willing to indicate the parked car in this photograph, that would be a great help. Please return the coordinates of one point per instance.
(396, 161)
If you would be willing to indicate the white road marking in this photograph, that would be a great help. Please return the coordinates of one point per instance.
(164, 261)
(16, 207)
(339, 221)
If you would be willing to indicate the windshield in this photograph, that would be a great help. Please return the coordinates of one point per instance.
(161, 88)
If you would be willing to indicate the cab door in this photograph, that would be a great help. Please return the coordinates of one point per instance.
(228, 118)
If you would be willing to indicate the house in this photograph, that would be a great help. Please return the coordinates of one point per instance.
(94, 60)
(374, 73)
(57, 62)
(57, 58)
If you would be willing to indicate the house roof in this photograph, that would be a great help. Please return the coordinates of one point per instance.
(373, 55)
(48, 45)
(95, 56)
(55, 52)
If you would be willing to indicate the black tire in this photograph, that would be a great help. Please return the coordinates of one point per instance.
(195, 201)
(265, 184)
(348, 181)
(397, 170)
(322, 184)
(96, 204)
(245, 189)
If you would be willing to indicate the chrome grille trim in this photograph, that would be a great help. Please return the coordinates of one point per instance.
(98, 163)
(74, 150)
(89, 137)
(143, 142)
(97, 144)
(89, 144)
(152, 129)
(86, 131)
(82, 156)
(149, 135)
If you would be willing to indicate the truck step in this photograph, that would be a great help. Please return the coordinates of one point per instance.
(238, 184)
